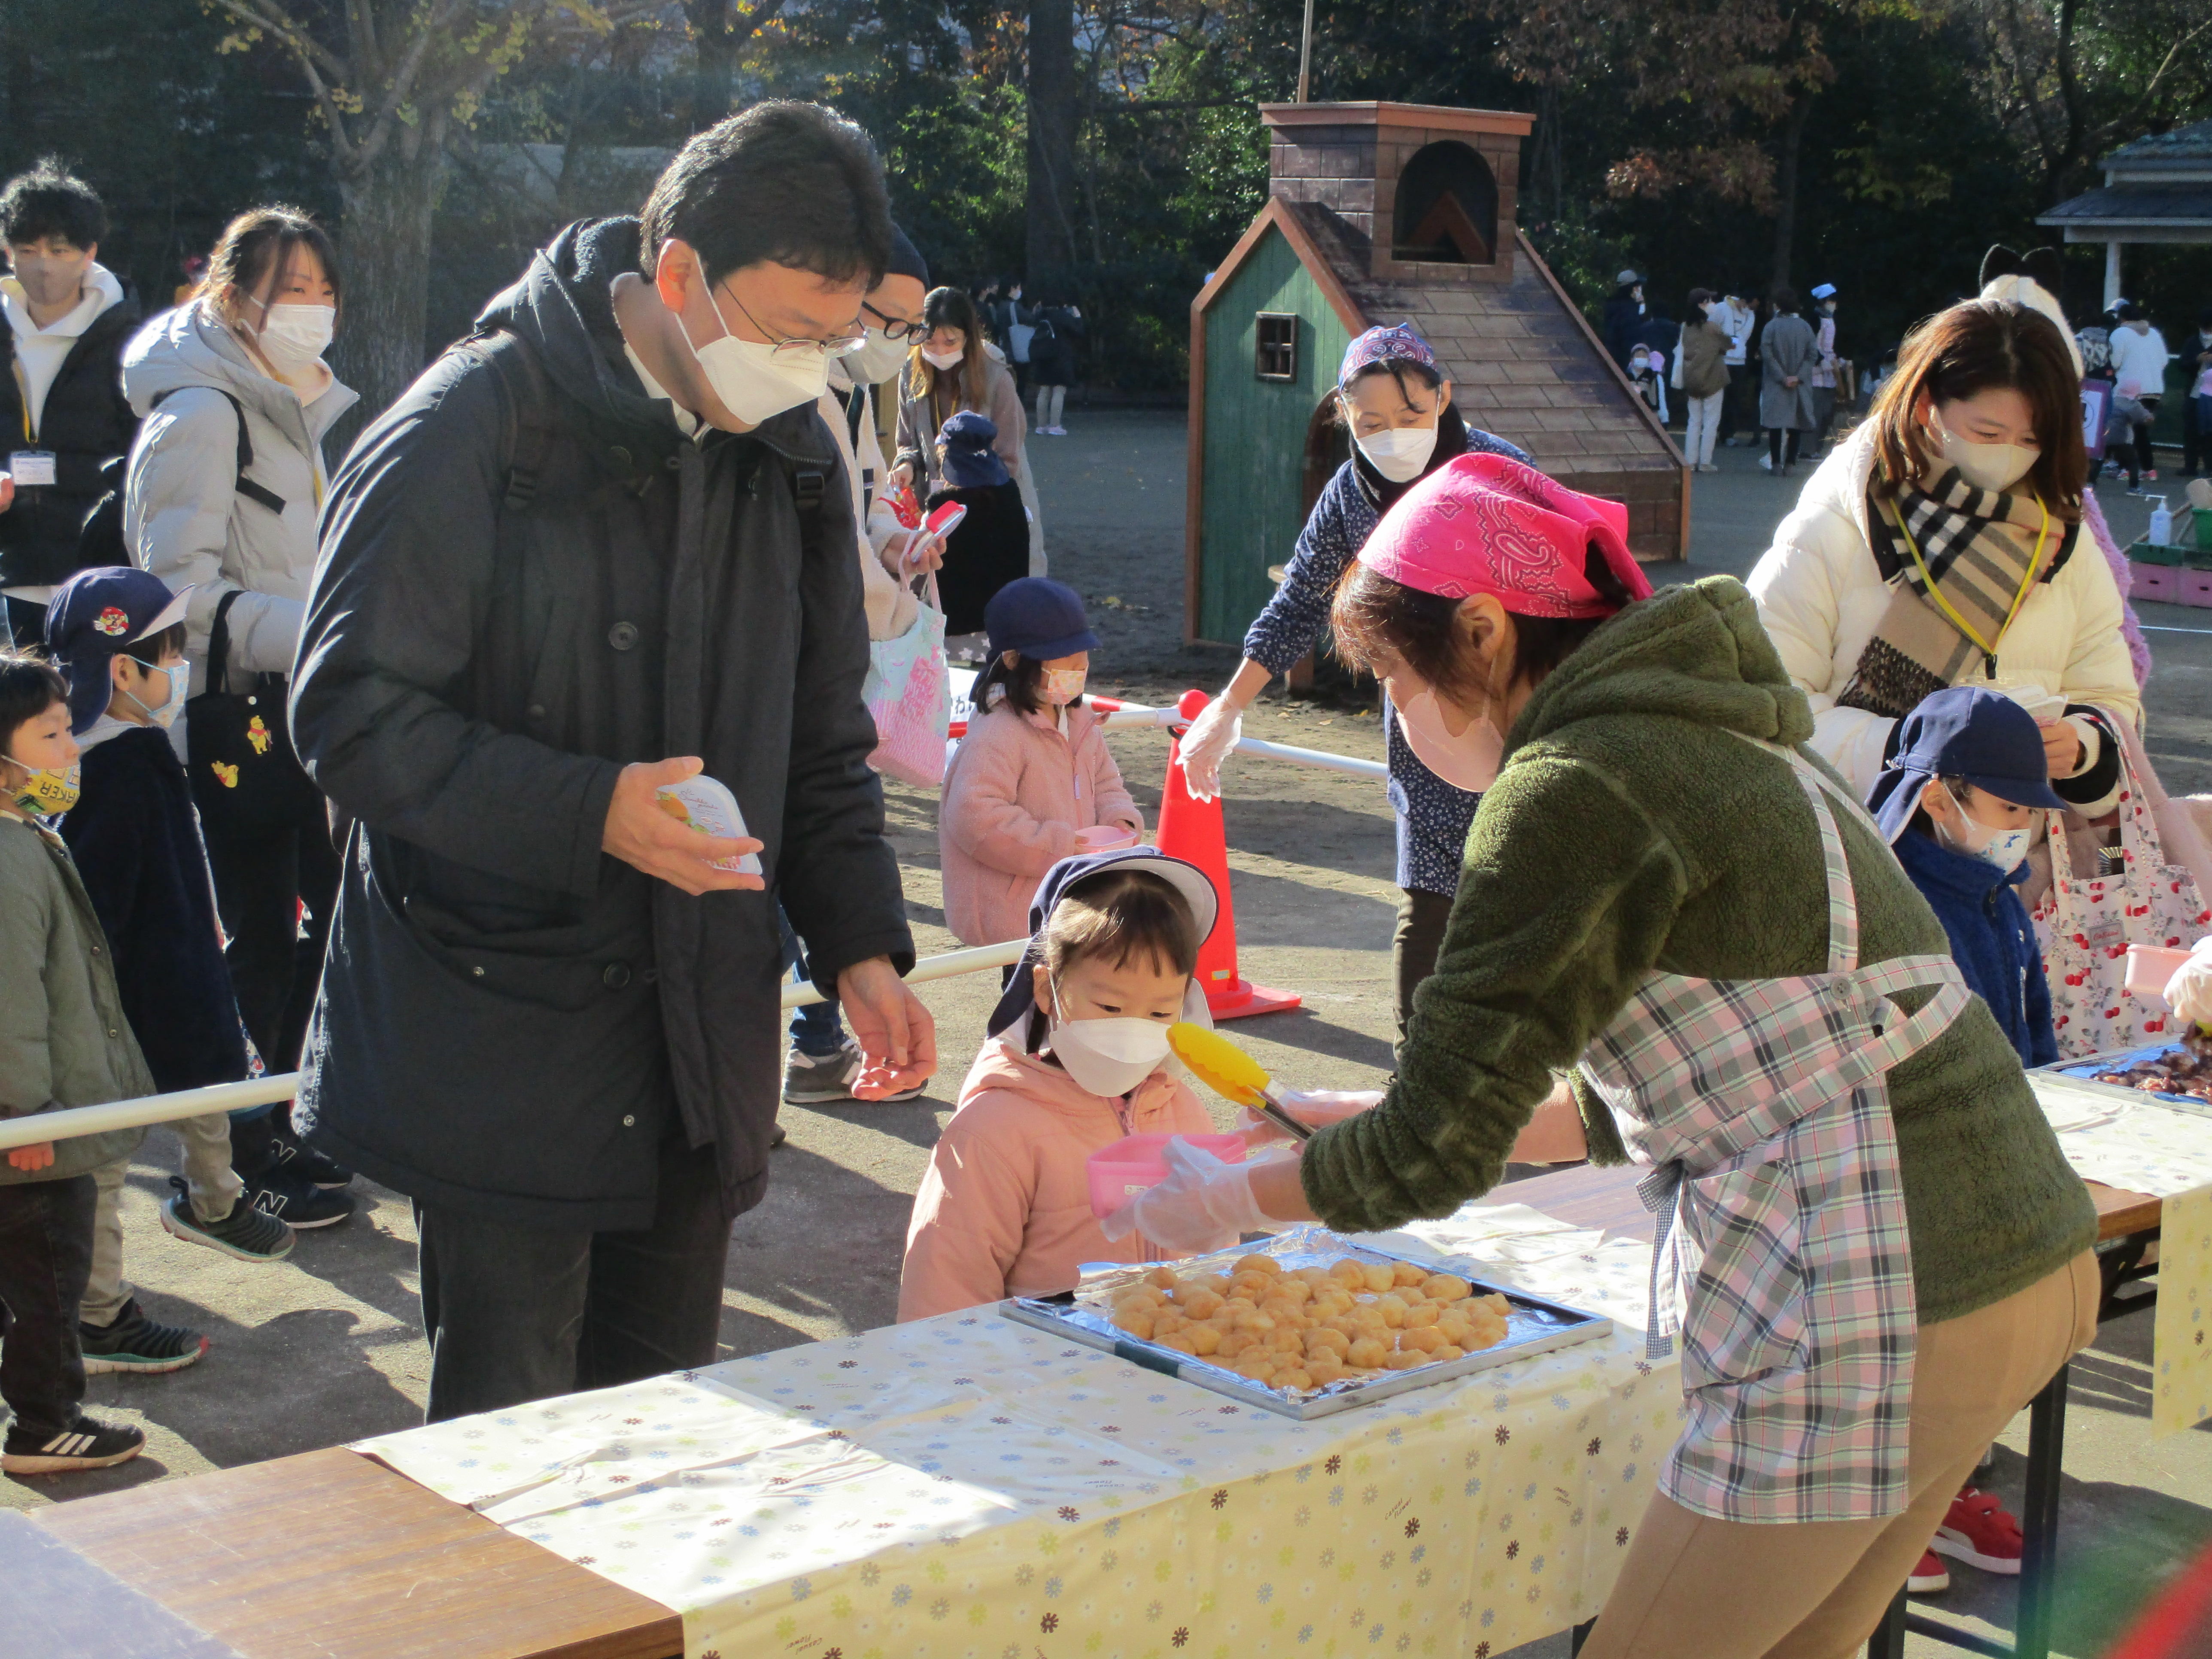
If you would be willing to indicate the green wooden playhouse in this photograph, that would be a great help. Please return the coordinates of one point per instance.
(1388, 213)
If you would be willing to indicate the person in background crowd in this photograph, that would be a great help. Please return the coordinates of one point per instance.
(61, 407)
(1787, 353)
(2196, 415)
(1033, 781)
(64, 1042)
(1394, 397)
(1740, 321)
(949, 370)
(1701, 370)
(239, 371)
(1624, 314)
(824, 1062)
(1052, 364)
(119, 638)
(1074, 1058)
(551, 1011)
(1940, 546)
(1647, 374)
(2139, 360)
(1823, 377)
(989, 547)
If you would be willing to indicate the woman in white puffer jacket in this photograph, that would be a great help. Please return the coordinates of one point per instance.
(1971, 469)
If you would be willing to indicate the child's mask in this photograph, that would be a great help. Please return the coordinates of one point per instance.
(1107, 1056)
(52, 789)
(1061, 686)
(2003, 849)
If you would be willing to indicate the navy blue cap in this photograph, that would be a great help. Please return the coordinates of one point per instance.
(1184, 877)
(95, 616)
(906, 258)
(1963, 731)
(970, 461)
(1038, 617)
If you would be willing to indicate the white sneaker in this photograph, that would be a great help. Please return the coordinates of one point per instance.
(1767, 461)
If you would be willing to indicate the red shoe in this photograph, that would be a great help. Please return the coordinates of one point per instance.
(1930, 1576)
(1979, 1532)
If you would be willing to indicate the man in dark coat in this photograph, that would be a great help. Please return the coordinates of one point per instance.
(62, 408)
(604, 544)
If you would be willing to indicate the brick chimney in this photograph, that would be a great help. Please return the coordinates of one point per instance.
(1431, 191)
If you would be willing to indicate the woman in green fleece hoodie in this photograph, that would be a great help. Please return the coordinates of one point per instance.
(1676, 924)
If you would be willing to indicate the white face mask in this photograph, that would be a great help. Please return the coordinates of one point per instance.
(1469, 760)
(180, 679)
(941, 360)
(877, 361)
(294, 336)
(1985, 466)
(1108, 1056)
(1399, 453)
(1063, 686)
(753, 379)
(2001, 849)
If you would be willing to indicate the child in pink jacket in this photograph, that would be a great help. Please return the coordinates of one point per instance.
(1077, 1057)
(1033, 774)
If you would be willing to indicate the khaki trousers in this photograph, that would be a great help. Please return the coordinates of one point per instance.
(214, 1188)
(1693, 1588)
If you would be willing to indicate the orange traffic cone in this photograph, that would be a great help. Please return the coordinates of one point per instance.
(1194, 831)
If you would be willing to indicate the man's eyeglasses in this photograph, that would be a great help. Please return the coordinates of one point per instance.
(799, 348)
(897, 332)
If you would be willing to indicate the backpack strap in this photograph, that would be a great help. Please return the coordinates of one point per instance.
(259, 494)
(218, 655)
(533, 421)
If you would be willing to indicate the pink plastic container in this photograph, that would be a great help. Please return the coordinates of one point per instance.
(1118, 1173)
(2197, 587)
(1104, 838)
(2150, 967)
(2155, 582)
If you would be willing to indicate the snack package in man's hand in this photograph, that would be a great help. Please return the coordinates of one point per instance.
(709, 807)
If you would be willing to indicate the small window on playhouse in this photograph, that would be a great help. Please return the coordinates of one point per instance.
(1277, 358)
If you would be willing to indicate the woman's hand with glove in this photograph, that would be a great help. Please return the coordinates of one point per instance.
(1316, 1108)
(1219, 729)
(2188, 992)
(1204, 1204)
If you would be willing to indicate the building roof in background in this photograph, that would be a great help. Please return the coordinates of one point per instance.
(2173, 207)
(2189, 146)
(1521, 363)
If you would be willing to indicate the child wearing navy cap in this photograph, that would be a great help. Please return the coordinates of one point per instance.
(117, 636)
(1956, 800)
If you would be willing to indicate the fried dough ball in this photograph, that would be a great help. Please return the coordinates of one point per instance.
(1284, 1340)
(1296, 1289)
(1166, 1323)
(1253, 1287)
(1425, 1339)
(1421, 1314)
(1236, 1343)
(1455, 1327)
(1325, 1340)
(1448, 1351)
(1163, 1276)
(1234, 1305)
(1497, 1303)
(1370, 1319)
(1258, 1264)
(1350, 1273)
(1404, 1359)
(1297, 1377)
(1142, 1295)
(1197, 1303)
(1485, 1336)
(1445, 1287)
(1258, 1364)
(1324, 1370)
(1180, 1344)
(1259, 1321)
(1405, 1275)
(1284, 1311)
(1330, 1302)
(1394, 1310)
(1136, 1320)
(1315, 1278)
(1367, 1354)
(1378, 1276)
(1203, 1338)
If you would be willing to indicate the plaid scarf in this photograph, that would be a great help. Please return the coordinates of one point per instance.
(1976, 545)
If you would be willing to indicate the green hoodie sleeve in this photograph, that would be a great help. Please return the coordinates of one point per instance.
(1567, 895)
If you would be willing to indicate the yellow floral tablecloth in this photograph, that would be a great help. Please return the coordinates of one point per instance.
(965, 1485)
(2141, 1147)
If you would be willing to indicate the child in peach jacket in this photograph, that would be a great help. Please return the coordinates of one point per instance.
(1004, 1209)
(1033, 774)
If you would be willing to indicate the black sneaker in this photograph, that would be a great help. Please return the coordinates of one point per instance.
(135, 1343)
(312, 1167)
(245, 1233)
(298, 1204)
(87, 1444)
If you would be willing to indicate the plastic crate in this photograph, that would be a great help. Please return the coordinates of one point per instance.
(2202, 517)
(2148, 552)
(2197, 588)
(2155, 582)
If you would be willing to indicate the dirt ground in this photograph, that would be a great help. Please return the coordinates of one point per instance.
(327, 1347)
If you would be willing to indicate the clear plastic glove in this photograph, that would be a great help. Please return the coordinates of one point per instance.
(1218, 729)
(1203, 1200)
(1317, 1106)
(2189, 993)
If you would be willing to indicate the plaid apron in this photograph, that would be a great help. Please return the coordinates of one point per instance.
(1781, 1254)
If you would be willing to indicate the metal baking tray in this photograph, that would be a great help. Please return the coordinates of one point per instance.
(2080, 1077)
(1534, 1324)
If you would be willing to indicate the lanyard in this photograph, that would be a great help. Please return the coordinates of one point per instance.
(1988, 647)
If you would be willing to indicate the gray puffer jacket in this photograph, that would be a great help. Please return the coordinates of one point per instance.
(64, 1040)
(183, 518)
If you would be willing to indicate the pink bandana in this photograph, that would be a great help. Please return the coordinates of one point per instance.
(1486, 524)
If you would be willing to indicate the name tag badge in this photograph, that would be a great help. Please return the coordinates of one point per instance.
(32, 466)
